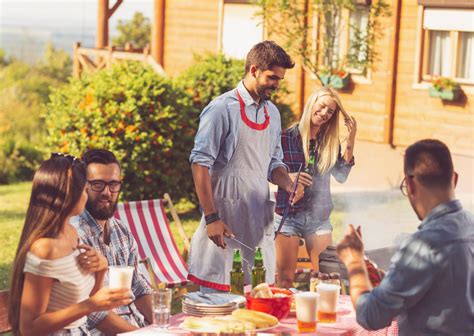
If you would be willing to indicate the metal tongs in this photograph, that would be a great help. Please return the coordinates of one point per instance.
(286, 212)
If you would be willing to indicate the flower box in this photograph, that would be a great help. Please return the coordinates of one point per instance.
(449, 95)
(335, 81)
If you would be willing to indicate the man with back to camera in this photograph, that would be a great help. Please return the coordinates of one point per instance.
(429, 286)
(98, 228)
(237, 150)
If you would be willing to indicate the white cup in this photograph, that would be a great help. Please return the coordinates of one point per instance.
(327, 302)
(306, 307)
(120, 276)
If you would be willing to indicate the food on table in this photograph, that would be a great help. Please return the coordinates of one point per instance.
(261, 291)
(227, 324)
(261, 320)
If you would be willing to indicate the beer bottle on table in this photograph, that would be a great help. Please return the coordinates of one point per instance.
(237, 274)
(258, 270)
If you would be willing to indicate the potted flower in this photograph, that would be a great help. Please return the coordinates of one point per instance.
(336, 78)
(445, 88)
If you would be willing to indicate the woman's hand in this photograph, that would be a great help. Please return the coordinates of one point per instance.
(351, 125)
(109, 298)
(91, 260)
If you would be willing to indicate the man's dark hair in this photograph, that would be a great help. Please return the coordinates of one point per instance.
(267, 54)
(102, 156)
(430, 161)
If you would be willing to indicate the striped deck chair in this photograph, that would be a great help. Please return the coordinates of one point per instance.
(149, 225)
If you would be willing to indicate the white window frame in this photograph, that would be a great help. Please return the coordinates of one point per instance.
(421, 78)
(220, 29)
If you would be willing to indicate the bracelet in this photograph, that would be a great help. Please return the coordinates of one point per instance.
(211, 218)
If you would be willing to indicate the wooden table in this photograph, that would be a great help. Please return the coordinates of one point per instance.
(346, 325)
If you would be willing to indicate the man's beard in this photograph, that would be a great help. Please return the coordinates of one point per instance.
(261, 91)
(101, 212)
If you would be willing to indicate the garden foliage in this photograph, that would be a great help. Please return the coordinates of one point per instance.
(140, 116)
(24, 89)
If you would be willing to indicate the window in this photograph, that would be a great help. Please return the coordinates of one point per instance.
(448, 46)
(240, 30)
(358, 23)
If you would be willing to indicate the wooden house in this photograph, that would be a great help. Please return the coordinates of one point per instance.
(422, 38)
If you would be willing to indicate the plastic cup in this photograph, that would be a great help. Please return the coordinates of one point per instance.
(161, 304)
(120, 276)
(327, 302)
(306, 307)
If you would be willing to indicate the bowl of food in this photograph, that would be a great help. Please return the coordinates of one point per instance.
(270, 300)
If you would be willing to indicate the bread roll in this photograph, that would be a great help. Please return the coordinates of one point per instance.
(261, 291)
(261, 320)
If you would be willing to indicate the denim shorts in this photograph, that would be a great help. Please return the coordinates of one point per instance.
(302, 224)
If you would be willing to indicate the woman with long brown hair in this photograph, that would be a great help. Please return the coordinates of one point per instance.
(312, 146)
(53, 274)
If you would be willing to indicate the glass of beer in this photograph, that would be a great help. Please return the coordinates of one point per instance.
(120, 276)
(306, 307)
(327, 302)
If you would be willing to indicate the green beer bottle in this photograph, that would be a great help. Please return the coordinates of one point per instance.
(237, 274)
(258, 270)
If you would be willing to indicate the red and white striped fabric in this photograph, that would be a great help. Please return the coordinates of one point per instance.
(149, 225)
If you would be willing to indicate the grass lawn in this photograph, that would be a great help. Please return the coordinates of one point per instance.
(14, 201)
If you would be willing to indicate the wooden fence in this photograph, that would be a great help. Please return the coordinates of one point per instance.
(94, 59)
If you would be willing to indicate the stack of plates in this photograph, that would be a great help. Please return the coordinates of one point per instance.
(202, 309)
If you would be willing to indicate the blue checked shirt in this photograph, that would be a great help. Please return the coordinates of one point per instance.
(318, 200)
(122, 250)
(430, 283)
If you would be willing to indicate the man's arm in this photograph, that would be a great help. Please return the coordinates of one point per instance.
(351, 252)
(143, 303)
(281, 178)
(114, 324)
(202, 182)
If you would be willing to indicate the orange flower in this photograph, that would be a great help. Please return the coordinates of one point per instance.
(130, 128)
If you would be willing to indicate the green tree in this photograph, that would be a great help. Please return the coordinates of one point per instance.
(4, 60)
(137, 31)
(290, 21)
(24, 91)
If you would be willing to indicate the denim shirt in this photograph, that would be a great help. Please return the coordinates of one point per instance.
(219, 126)
(430, 283)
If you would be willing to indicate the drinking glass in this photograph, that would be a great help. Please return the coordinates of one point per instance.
(306, 306)
(120, 276)
(161, 303)
(327, 302)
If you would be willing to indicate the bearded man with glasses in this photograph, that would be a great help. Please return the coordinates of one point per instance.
(98, 228)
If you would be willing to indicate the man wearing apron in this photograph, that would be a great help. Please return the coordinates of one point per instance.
(237, 150)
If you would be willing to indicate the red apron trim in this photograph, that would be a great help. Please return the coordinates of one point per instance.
(220, 287)
(250, 123)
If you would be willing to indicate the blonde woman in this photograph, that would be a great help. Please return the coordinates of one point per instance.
(313, 144)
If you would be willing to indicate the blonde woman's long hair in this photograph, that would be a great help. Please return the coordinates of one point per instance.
(328, 133)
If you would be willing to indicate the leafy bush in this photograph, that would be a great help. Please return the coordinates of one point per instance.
(142, 117)
(213, 74)
(24, 89)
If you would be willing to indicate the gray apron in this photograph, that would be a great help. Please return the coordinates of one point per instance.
(241, 197)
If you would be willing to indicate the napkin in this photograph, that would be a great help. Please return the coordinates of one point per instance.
(213, 298)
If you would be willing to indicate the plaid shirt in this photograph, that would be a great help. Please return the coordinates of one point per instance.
(318, 199)
(121, 250)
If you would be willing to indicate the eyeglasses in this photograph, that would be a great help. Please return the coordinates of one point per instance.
(70, 157)
(403, 185)
(99, 185)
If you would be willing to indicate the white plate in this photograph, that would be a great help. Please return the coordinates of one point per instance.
(213, 331)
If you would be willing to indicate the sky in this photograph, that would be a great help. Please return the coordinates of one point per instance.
(26, 26)
(64, 13)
